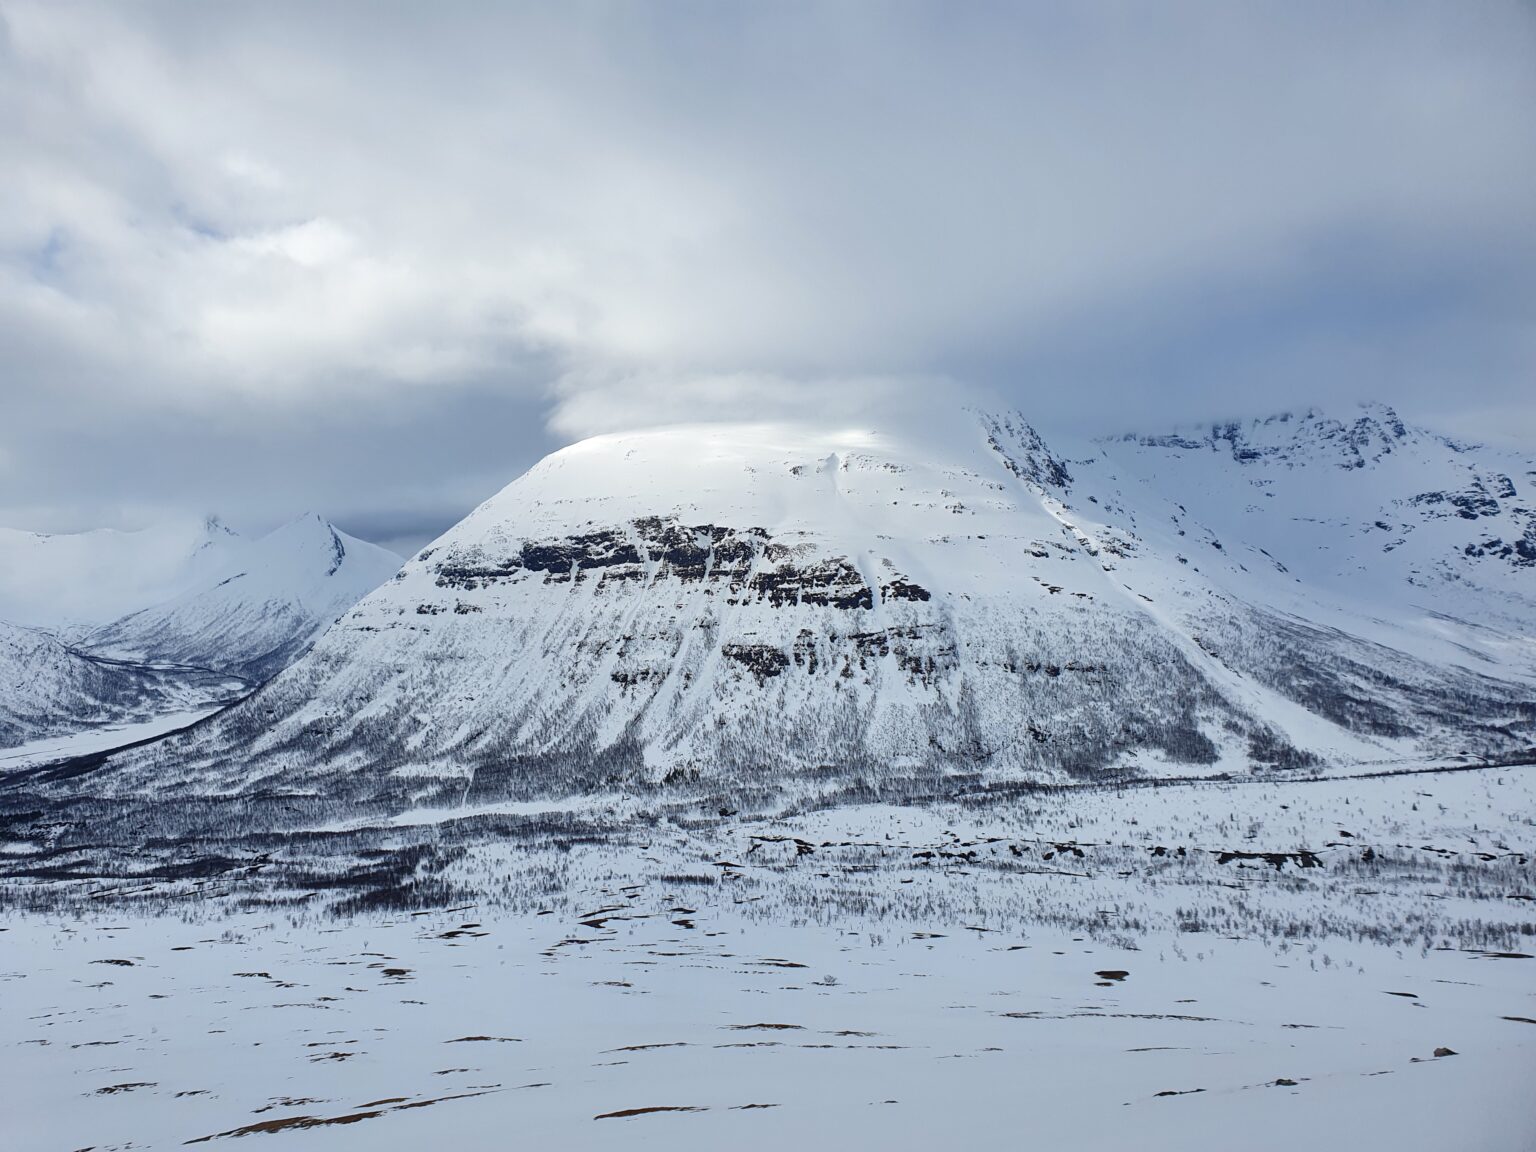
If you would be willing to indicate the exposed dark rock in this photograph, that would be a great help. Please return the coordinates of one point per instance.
(1024, 453)
(1470, 503)
(469, 572)
(763, 660)
(833, 583)
(905, 590)
(1277, 860)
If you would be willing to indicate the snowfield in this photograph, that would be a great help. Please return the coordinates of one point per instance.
(1104, 968)
(671, 995)
(465, 1032)
(71, 582)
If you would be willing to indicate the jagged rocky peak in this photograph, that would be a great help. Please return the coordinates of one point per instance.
(1023, 451)
(214, 527)
(1348, 440)
(308, 535)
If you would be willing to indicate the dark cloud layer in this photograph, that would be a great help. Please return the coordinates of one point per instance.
(376, 258)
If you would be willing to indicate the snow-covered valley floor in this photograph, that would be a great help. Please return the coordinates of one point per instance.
(450, 1031)
(854, 978)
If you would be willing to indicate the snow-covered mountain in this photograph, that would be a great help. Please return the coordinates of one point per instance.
(252, 617)
(1370, 506)
(237, 611)
(730, 611)
(68, 581)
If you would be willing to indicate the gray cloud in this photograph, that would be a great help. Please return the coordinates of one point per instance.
(376, 259)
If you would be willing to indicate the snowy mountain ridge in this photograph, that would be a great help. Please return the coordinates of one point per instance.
(47, 688)
(253, 617)
(1310, 434)
(1417, 517)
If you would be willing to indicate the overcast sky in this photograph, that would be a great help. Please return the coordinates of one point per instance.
(376, 259)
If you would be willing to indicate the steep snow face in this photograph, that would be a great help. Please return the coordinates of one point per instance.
(253, 617)
(69, 581)
(767, 609)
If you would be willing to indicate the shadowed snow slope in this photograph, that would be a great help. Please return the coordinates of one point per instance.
(775, 611)
(48, 689)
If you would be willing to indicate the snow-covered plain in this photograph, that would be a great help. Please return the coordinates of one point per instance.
(1162, 968)
(465, 1032)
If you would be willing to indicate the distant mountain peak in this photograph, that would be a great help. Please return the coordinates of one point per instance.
(1352, 438)
(256, 614)
(213, 525)
(1022, 450)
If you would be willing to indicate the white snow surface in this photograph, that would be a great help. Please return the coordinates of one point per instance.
(687, 795)
(256, 613)
(730, 988)
(49, 692)
(490, 1037)
(103, 738)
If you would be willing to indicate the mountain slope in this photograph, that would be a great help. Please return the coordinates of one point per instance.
(738, 611)
(1368, 504)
